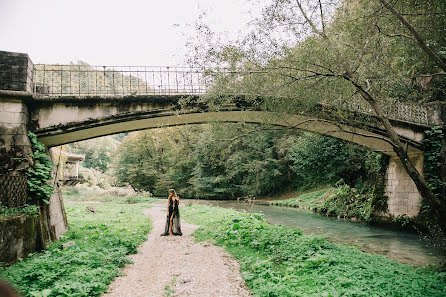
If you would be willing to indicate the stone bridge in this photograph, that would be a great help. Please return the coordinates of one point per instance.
(35, 98)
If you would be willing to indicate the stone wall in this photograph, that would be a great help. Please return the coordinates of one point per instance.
(15, 152)
(16, 72)
(404, 198)
(22, 234)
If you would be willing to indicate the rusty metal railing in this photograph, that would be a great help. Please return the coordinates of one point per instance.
(84, 80)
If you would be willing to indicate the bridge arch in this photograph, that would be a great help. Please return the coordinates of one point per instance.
(77, 131)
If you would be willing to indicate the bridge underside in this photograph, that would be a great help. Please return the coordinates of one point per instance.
(72, 132)
(402, 192)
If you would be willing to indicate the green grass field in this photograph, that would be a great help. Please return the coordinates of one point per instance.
(100, 242)
(281, 261)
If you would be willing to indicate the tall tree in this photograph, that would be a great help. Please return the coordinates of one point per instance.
(304, 52)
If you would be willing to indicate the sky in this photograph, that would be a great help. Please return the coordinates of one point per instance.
(112, 32)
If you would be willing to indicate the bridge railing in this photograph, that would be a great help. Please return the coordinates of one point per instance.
(410, 113)
(85, 80)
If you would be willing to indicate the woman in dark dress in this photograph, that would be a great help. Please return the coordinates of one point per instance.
(173, 225)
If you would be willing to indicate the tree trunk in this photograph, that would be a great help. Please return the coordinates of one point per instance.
(443, 164)
(426, 193)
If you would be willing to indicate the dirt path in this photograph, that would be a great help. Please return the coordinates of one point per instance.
(176, 266)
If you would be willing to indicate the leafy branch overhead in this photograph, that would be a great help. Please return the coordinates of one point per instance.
(315, 52)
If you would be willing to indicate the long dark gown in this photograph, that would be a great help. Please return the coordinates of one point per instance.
(174, 212)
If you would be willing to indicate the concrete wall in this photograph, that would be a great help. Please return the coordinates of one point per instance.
(404, 198)
(18, 237)
(58, 217)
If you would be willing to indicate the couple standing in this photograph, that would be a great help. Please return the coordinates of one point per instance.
(173, 225)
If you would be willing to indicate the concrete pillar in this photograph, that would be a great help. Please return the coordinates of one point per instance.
(58, 217)
(76, 169)
(404, 198)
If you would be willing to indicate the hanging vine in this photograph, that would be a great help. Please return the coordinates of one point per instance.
(39, 174)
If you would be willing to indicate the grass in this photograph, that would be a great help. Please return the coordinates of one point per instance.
(168, 289)
(280, 261)
(309, 200)
(75, 194)
(97, 247)
(342, 201)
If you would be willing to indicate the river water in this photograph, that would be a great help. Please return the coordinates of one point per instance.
(399, 245)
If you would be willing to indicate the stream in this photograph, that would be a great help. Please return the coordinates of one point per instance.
(402, 246)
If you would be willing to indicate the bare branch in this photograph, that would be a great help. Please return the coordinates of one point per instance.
(325, 37)
(421, 14)
(430, 74)
(316, 73)
(341, 129)
(263, 128)
(398, 35)
(361, 55)
(322, 16)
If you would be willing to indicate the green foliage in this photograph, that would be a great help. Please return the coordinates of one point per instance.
(403, 220)
(98, 152)
(198, 161)
(343, 201)
(374, 181)
(101, 242)
(26, 209)
(432, 160)
(40, 173)
(347, 202)
(280, 261)
(219, 161)
(320, 160)
(239, 166)
(304, 68)
(310, 200)
(433, 232)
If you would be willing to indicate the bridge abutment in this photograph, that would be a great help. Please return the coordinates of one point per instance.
(404, 198)
(21, 233)
(15, 151)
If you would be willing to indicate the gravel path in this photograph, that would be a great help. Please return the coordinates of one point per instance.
(176, 266)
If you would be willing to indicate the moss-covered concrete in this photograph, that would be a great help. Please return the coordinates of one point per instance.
(19, 235)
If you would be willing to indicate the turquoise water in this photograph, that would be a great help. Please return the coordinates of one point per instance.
(399, 245)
